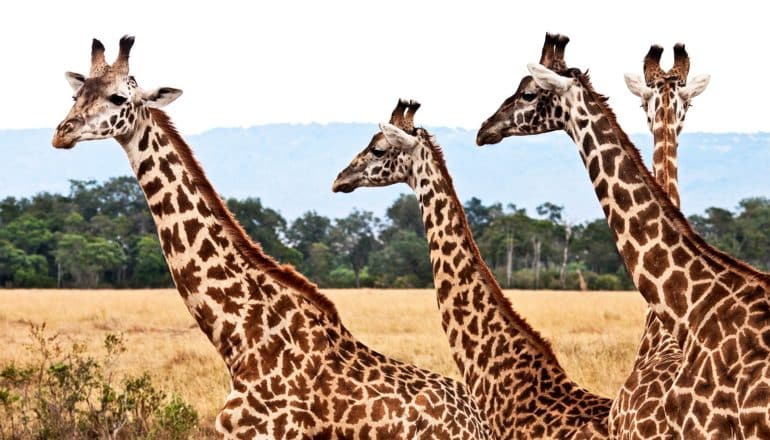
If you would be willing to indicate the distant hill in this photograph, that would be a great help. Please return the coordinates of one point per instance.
(291, 167)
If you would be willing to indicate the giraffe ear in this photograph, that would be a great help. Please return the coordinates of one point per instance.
(695, 87)
(397, 137)
(161, 97)
(548, 79)
(76, 80)
(637, 86)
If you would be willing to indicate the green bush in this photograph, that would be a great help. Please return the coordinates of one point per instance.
(177, 418)
(68, 394)
(606, 281)
(342, 277)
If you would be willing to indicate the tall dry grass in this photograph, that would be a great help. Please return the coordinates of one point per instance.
(595, 334)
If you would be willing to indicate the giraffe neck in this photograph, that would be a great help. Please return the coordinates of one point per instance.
(501, 358)
(677, 272)
(236, 293)
(664, 134)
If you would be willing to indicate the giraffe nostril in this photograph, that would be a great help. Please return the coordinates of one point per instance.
(69, 125)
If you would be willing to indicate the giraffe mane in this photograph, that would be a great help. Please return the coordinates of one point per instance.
(497, 293)
(710, 253)
(251, 251)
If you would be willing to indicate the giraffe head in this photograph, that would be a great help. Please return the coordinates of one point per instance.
(666, 96)
(536, 106)
(388, 157)
(108, 103)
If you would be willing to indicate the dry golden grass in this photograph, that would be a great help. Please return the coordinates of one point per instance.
(595, 334)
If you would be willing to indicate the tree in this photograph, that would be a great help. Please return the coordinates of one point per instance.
(19, 269)
(84, 196)
(506, 237)
(753, 224)
(565, 259)
(10, 209)
(30, 234)
(307, 230)
(551, 212)
(508, 258)
(353, 238)
(265, 226)
(402, 262)
(319, 263)
(719, 227)
(87, 258)
(480, 216)
(404, 214)
(122, 199)
(150, 269)
(594, 246)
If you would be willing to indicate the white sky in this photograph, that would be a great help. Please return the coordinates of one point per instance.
(248, 63)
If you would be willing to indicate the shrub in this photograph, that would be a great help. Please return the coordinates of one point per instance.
(607, 281)
(342, 277)
(66, 393)
(177, 418)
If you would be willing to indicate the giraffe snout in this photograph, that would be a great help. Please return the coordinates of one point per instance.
(66, 132)
(344, 182)
(341, 185)
(487, 134)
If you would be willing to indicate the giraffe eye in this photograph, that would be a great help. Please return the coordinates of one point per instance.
(117, 99)
(528, 96)
(378, 153)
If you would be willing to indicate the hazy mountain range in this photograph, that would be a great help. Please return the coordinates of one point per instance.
(291, 167)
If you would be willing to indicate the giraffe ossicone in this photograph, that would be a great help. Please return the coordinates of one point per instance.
(296, 372)
(509, 369)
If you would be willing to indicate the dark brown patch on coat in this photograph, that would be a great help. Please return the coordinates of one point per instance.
(191, 229)
(144, 167)
(152, 187)
(183, 201)
(206, 250)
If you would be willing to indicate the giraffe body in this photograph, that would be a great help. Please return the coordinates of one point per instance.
(508, 367)
(296, 371)
(716, 307)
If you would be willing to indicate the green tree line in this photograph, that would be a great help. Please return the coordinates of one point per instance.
(102, 235)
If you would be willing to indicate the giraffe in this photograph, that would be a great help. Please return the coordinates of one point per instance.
(666, 98)
(296, 371)
(582, 281)
(638, 410)
(715, 306)
(510, 370)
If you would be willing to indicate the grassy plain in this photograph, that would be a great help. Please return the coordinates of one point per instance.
(595, 334)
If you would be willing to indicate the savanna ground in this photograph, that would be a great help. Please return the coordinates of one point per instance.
(595, 334)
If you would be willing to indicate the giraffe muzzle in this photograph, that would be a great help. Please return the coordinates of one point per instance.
(489, 133)
(485, 137)
(66, 133)
(345, 182)
(341, 186)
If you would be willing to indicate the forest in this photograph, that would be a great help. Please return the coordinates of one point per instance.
(101, 235)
